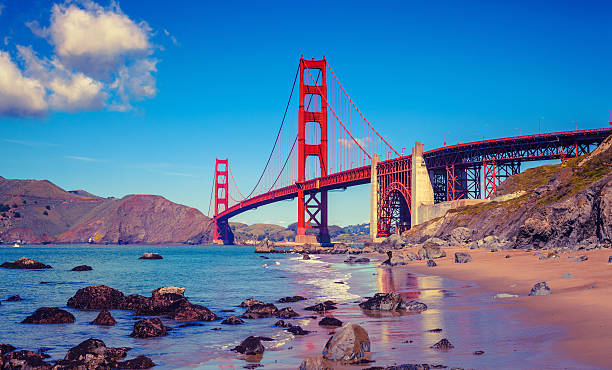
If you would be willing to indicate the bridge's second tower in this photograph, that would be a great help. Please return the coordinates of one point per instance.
(222, 232)
(312, 207)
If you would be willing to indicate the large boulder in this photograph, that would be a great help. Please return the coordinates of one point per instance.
(431, 249)
(286, 313)
(25, 263)
(250, 301)
(392, 301)
(49, 315)
(187, 311)
(232, 320)
(394, 241)
(250, 346)
(330, 321)
(148, 328)
(140, 362)
(316, 363)
(266, 246)
(104, 318)
(292, 299)
(460, 236)
(82, 268)
(462, 257)
(350, 343)
(92, 354)
(258, 311)
(96, 297)
(322, 307)
(168, 289)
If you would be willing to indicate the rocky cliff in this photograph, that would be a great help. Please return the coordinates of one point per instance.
(39, 211)
(556, 206)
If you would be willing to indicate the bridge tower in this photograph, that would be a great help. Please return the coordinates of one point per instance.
(312, 207)
(222, 232)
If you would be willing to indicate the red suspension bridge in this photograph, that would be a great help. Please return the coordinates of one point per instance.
(325, 142)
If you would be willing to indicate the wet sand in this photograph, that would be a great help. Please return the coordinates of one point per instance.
(581, 305)
(460, 303)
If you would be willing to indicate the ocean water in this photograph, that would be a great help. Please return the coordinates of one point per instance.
(220, 277)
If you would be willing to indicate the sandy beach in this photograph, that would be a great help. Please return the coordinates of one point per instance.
(580, 304)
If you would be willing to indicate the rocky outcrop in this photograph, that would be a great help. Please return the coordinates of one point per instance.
(96, 297)
(82, 268)
(432, 249)
(297, 330)
(25, 263)
(292, 299)
(149, 328)
(140, 362)
(249, 302)
(330, 321)
(322, 307)
(391, 302)
(540, 288)
(350, 343)
(250, 346)
(25, 360)
(150, 256)
(14, 298)
(168, 289)
(232, 320)
(92, 354)
(258, 311)
(286, 313)
(443, 345)
(266, 246)
(49, 315)
(104, 318)
(352, 260)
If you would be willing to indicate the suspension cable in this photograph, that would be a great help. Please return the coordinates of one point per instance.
(212, 190)
(365, 119)
(234, 181)
(332, 109)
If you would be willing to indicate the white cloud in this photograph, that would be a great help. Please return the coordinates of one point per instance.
(83, 159)
(103, 59)
(19, 95)
(94, 39)
(172, 38)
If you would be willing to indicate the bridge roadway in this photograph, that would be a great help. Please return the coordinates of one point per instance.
(547, 146)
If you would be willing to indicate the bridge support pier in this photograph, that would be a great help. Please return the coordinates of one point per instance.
(422, 191)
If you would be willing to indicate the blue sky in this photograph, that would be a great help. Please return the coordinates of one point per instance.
(149, 111)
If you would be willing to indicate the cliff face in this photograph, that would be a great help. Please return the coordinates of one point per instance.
(562, 206)
(39, 211)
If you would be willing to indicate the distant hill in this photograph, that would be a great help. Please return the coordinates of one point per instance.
(244, 233)
(36, 211)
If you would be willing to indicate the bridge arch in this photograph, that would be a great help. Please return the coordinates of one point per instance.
(394, 208)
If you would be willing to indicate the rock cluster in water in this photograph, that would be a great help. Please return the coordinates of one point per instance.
(25, 263)
(392, 301)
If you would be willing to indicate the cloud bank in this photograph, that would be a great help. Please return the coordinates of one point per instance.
(102, 59)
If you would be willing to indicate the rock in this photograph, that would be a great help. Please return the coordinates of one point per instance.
(6, 348)
(82, 268)
(436, 330)
(330, 321)
(610, 259)
(92, 354)
(394, 241)
(431, 251)
(25, 360)
(286, 313)
(249, 302)
(460, 236)
(187, 311)
(507, 256)
(148, 328)
(232, 320)
(339, 248)
(151, 256)
(431, 263)
(581, 258)
(478, 353)
(295, 298)
(297, 330)
(351, 260)
(350, 343)
(305, 256)
(250, 346)
(321, 307)
(104, 318)
(443, 345)
(49, 315)
(96, 297)
(392, 301)
(282, 324)
(567, 275)
(266, 246)
(25, 263)
(14, 298)
(258, 311)
(316, 363)
(140, 362)
(462, 257)
(168, 289)
(540, 289)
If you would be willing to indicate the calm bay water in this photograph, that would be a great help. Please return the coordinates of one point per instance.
(222, 277)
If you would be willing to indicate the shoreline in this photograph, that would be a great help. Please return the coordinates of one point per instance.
(574, 301)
